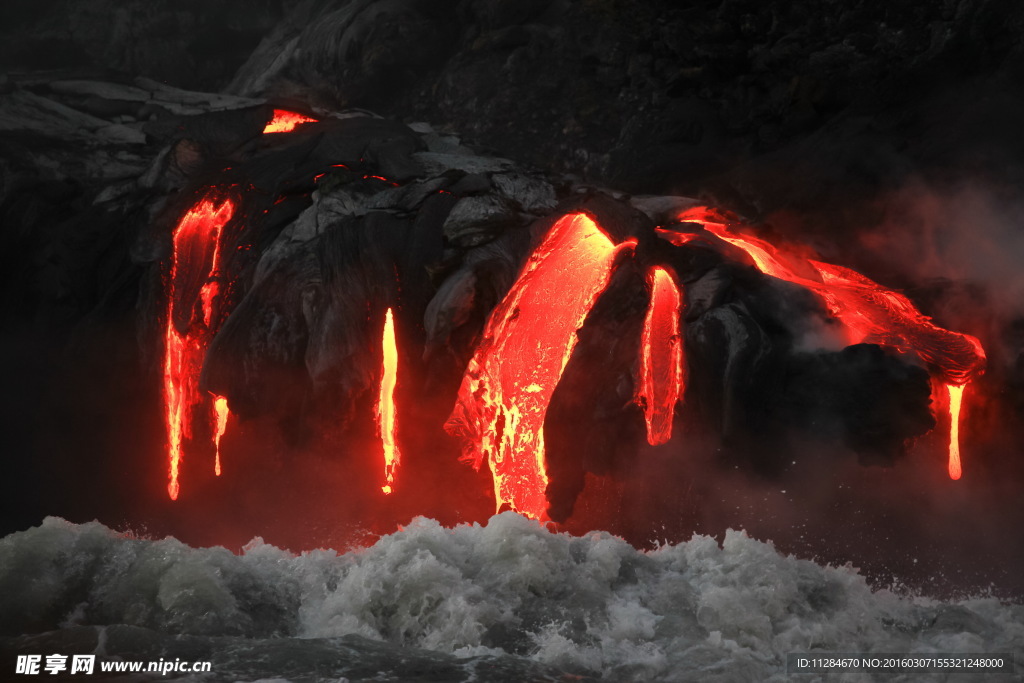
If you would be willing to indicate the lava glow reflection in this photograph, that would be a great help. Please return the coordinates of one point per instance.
(387, 428)
(528, 340)
(660, 384)
(869, 312)
(189, 319)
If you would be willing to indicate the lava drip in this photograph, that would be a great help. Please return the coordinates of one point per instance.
(220, 422)
(869, 312)
(660, 384)
(527, 342)
(285, 121)
(956, 397)
(190, 319)
(387, 427)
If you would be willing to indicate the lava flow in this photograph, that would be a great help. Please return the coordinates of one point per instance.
(387, 428)
(220, 420)
(527, 342)
(660, 384)
(286, 121)
(869, 312)
(956, 397)
(190, 318)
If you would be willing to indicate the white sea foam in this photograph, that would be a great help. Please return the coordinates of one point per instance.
(697, 610)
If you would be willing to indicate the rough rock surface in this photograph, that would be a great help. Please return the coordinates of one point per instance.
(850, 127)
(344, 218)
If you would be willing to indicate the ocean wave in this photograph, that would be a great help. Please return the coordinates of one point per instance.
(507, 591)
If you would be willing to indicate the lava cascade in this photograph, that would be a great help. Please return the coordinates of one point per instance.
(387, 426)
(869, 312)
(527, 342)
(285, 121)
(191, 316)
(956, 397)
(660, 385)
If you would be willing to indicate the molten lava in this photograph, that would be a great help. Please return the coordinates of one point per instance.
(869, 312)
(190, 317)
(210, 293)
(220, 425)
(286, 121)
(956, 397)
(527, 342)
(387, 428)
(660, 384)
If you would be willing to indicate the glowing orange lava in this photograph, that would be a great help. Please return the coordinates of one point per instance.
(869, 312)
(210, 293)
(660, 383)
(956, 397)
(286, 121)
(387, 428)
(189, 316)
(527, 342)
(220, 422)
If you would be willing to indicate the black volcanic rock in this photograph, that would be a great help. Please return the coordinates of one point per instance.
(190, 44)
(798, 113)
(868, 398)
(342, 219)
(653, 96)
